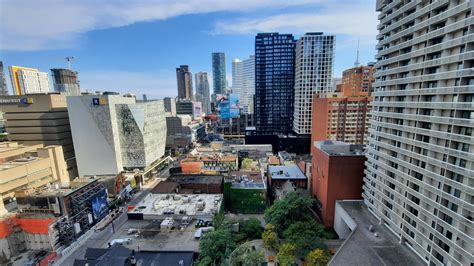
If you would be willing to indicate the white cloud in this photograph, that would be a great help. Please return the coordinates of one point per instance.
(154, 84)
(354, 18)
(37, 25)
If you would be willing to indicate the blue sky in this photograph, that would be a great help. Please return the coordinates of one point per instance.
(135, 46)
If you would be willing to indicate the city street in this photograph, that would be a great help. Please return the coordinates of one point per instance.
(100, 238)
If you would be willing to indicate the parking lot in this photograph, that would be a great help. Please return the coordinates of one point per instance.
(150, 237)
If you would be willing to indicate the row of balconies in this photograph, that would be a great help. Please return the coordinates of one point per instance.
(426, 118)
(453, 74)
(434, 105)
(426, 91)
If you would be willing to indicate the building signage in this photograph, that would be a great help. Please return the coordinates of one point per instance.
(24, 100)
(99, 101)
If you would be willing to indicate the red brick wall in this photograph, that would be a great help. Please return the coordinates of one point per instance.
(319, 119)
(335, 178)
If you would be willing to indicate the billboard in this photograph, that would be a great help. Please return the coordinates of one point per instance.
(99, 204)
(197, 110)
(228, 106)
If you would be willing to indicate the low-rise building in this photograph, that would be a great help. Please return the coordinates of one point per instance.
(278, 175)
(338, 171)
(30, 167)
(209, 164)
(199, 183)
(245, 192)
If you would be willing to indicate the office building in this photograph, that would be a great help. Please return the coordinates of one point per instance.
(342, 118)
(219, 73)
(66, 81)
(335, 163)
(357, 81)
(170, 105)
(3, 81)
(185, 82)
(181, 132)
(314, 61)
(122, 134)
(202, 92)
(419, 175)
(40, 119)
(274, 81)
(30, 167)
(191, 108)
(243, 82)
(28, 80)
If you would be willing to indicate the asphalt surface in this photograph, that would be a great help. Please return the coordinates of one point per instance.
(100, 238)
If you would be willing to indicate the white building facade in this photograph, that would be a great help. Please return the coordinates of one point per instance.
(113, 133)
(33, 81)
(314, 63)
(420, 169)
(243, 82)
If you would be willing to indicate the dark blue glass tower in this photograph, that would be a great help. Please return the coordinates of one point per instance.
(274, 83)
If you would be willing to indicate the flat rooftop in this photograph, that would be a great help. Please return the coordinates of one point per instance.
(246, 179)
(172, 205)
(362, 247)
(285, 172)
(339, 148)
(196, 179)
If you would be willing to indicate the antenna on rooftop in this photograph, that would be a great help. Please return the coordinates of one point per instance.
(356, 63)
(69, 60)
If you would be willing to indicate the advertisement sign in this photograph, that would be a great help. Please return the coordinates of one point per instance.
(99, 101)
(234, 100)
(197, 110)
(99, 204)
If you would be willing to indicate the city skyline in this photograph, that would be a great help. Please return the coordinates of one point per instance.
(107, 61)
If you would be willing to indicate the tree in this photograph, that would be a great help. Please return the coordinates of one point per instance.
(246, 255)
(219, 220)
(306, 236)
(217, 245)
(286, 254)
(292, 208)
(269, 237)
(318, 257)
(246, 163)
(252, 228)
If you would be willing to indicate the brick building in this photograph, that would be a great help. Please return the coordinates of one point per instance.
(338, 170)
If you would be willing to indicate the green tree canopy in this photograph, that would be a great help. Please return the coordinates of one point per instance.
(216, 245)
(286, 254)
(317, 257)
(246, 163)
(252, 228)
(269, 237)
(306, 236)
(292, 208)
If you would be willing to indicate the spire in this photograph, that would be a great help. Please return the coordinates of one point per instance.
(356, 63)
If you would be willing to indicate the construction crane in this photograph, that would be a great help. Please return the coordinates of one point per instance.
(69, 60)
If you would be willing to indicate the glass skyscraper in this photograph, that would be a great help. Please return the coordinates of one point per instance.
(274, 83)
(202, 91)
(218, 73)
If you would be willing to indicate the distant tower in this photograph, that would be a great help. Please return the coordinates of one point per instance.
(185, 82)
(356, 63)
(3, 82)
(66, 81)
(145, 98)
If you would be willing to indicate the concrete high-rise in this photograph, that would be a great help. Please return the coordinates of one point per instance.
(121, 134)
(3, 81)
(202, 91)
(243, 82)
(219, 73)
(28, 80)
(420, 169)
(313, 74)
(274, 83)
(185, 82)
(65, 81)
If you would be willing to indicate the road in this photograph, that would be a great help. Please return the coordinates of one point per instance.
(100, 238)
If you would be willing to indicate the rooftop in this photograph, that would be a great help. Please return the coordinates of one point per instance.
(165, 187)
(246, 179)
(157, 206)
(362, 247)
(196, 179)
(285, 172)
(339, 148)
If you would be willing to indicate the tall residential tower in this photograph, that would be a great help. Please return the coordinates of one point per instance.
(185, 82)
(28, 80)
(65, 81)
(274, 81)
(313, 74)
(243, 82)
(3, 81)
(420, 169)
(219, 73)
(202, 91)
